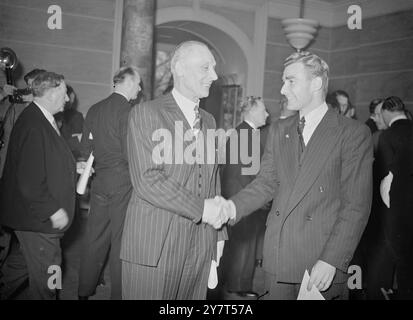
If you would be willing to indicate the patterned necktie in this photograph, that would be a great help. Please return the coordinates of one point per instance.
(197, 122)
(300, 130)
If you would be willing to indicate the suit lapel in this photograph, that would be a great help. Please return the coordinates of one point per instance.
(288, 151)
(173, 115)
(315, 155)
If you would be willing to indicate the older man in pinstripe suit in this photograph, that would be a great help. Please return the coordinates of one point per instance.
(170, 235)
(317, 167)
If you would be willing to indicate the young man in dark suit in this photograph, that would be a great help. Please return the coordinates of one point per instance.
(316, 168)
(104, 133)
(38, 189)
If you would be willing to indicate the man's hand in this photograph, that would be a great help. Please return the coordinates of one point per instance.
(60, 219)
(215, 212)
(80, 167)
(8, 89)
(321, 276)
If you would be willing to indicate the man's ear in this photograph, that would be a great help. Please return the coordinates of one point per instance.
(317, 84)
(179, 68)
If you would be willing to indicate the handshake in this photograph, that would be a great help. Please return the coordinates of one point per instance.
(218, 211)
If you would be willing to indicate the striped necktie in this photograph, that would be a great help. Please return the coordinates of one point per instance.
(300, 130)
(197, 122)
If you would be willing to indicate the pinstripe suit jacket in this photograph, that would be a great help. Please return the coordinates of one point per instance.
(321, 204)
(162, 192)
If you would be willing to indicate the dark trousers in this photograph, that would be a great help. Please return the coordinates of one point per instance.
(30, 260)
(183, 269)
(383, 266)
(242, 250)
(103, 236)
(289, 291)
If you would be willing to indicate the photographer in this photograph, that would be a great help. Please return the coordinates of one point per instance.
(7, 90)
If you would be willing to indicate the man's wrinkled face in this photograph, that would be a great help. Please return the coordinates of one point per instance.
(135, 86)
(297, 86)
(198, 72)
(60, 96)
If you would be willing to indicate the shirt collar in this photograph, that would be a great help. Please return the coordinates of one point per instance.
(400, 117)
(182, 101)
(316, 114)
(251, 124)
(123, 95)
(46, 113)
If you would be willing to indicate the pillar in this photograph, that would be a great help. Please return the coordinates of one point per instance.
(137, 39)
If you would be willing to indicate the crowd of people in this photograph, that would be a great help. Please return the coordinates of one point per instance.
(331, 191)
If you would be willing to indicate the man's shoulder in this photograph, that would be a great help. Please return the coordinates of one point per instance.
(31, 114)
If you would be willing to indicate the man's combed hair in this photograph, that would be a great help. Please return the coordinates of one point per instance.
(373, 104)
(33, 74)
(121, 74)
(313, 63)
(45, 81)
(182, 49)
(393, 103)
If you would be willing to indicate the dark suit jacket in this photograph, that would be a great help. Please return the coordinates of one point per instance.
(163, 192)
(320, 206)
(107, 123)
(395, 154)
(232, 179)
(39, 176)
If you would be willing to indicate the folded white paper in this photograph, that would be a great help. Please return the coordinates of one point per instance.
(213, 276)
(304, 294)
(385, 186)
(84, 177)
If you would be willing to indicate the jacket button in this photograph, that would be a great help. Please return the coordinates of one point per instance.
(277, 213)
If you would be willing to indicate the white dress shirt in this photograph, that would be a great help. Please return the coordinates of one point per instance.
(402, 116)
(48, 116)
(312, 120)
(187, 106)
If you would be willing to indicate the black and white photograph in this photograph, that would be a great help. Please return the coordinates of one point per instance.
(223, 152)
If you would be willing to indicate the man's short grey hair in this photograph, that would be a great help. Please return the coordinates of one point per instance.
(313, 63)
(44, 82)
(182, 50)
(121, 74)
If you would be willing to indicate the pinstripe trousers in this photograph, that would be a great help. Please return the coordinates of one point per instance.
(183, 269)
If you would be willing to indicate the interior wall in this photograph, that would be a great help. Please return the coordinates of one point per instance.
(375, 61)
(82, 50)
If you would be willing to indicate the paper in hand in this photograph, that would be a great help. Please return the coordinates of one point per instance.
(304, 294)
(385, 186)
(84, 177)
(213, 276)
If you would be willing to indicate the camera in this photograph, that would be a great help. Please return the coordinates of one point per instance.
(18, 95)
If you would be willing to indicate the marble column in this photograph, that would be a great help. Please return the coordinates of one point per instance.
(137, 39)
